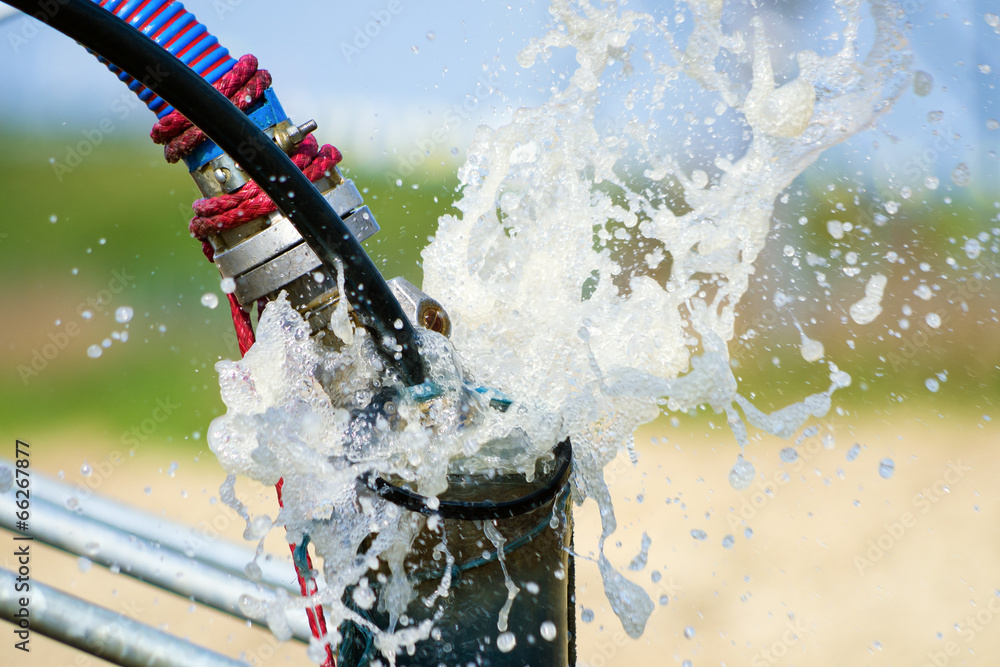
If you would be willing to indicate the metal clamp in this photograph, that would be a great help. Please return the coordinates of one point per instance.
(267, 254)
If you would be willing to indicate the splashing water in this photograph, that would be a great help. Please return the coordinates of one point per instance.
(592, 273)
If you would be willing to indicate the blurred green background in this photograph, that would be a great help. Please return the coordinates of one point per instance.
(123, 209)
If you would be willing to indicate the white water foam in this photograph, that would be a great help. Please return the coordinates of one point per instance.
(591, 274)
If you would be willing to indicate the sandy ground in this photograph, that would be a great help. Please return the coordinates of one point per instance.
(843, 567)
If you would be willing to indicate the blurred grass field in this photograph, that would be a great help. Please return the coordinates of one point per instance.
(68, 240)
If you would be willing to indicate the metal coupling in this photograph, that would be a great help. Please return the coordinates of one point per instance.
(267, 255)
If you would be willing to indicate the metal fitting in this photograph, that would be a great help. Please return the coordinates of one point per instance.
(294, 134)
(420, 309)
(222, 176)
(267, 255)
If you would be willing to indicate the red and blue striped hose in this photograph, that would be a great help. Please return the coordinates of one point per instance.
(177, 30)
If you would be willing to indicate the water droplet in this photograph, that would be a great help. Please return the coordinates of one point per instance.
(892, 207)
(748, 533)
(886, 467)
(991, 19)
(835, 228)
(86, 470)
(586, 615)
(852, 453)
(870, 307)
(53, 219)
(94, 351)
(688, 632)
(548, 631)
(905, 192)
(123, 314)
(228, 285)
(932, 385)
(933, 320)
(788, 455)
(728, 541)
(364, 596)
(506, 641)
(742, 473)
(209, 300)
(811, 350)
(87, 314)
(698, 534)
(984, 69)
(398, 324)
(961, 175)
(923, 83)
(992, 124)
(84, 564)
(935, 116)
(932, 182)
(431, 36)
(972, 248)
(416, 49)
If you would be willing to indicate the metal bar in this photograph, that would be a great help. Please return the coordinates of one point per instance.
(183, 539)
(101, 632)
(149, 562)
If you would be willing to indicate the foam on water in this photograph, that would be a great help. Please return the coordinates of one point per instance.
(590, 273)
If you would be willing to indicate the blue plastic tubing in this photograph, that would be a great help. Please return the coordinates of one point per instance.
(178, 31)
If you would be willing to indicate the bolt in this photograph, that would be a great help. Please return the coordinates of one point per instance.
(298, 133)
(221, 175)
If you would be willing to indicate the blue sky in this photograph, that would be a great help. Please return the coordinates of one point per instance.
(430, 58)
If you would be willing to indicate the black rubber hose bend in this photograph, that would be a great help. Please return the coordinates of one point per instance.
(236, 134)
(483, 510)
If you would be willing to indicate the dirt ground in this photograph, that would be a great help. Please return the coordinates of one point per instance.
(843, 566)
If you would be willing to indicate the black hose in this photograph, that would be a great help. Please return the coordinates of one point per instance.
(378, 310)
(234, 132)
(484, 510)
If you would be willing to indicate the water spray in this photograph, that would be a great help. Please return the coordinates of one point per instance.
(282, 223)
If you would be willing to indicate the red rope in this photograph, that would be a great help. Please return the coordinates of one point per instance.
(249, 202)
(244, 85)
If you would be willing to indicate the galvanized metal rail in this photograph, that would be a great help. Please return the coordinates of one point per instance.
(151, 549)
